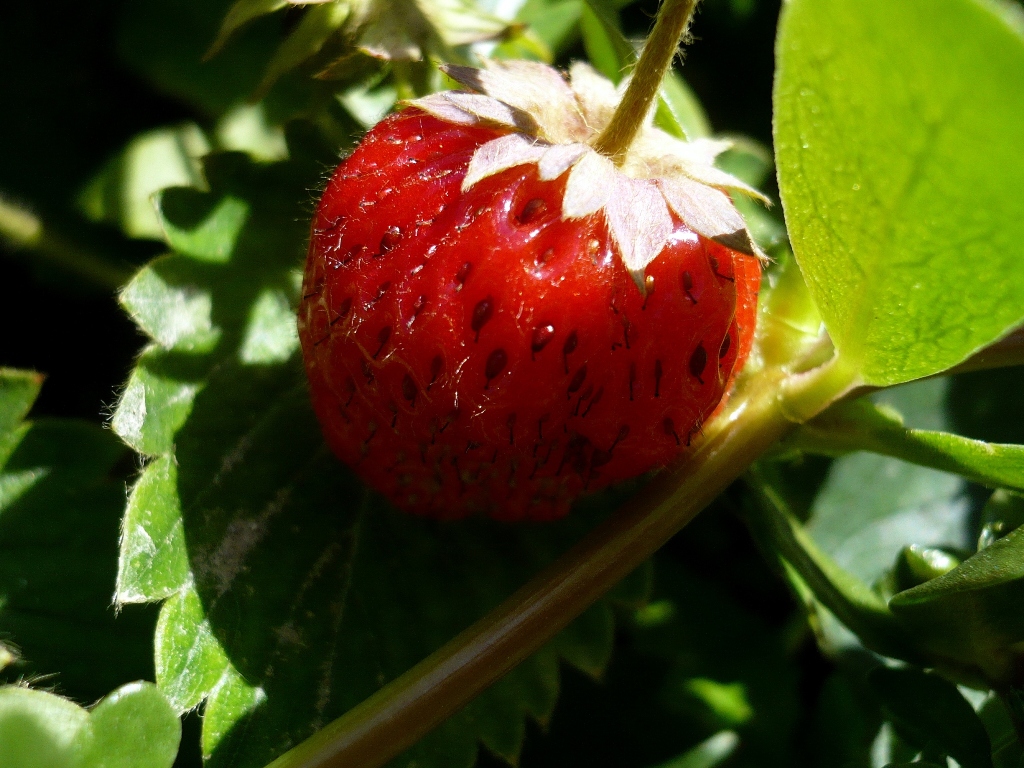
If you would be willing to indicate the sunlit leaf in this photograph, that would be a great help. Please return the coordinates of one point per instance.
(895, 168)
(707, 754)
(133, 727)
(122, 193)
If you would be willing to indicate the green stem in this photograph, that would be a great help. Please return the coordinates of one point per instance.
(852, 601)
(24, 231)
(809, 393)
(655, 60)
(399, 714)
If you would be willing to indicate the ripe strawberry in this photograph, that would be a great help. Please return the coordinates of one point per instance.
(495, 319)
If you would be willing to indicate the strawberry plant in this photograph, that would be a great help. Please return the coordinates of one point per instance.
(703, 386)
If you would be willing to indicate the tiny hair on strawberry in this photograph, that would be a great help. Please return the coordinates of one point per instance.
(503, 309)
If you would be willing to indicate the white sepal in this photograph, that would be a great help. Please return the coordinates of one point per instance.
(501, 154)
(708, 212)
(639, 222)
(533, 88)
(558, 158)
(591, 183)
(595, 94)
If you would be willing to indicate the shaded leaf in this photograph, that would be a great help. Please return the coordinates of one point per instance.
(972, 613)
(728, 671)
(553, 21)
(678, 111)
(242, 12)
(847, 724)
(820, 579)
(165, 43)
(291, 593)
(59, 512)
(1007, 751)
(18, 390)
(315, 28)
(894, 169)
(933, 715)
(1002, 513)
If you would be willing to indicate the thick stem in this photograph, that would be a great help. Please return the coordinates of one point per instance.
(655, 60)
(403, 711)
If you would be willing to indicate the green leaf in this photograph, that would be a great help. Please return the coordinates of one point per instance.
(59, 509)
(607, 49)
(404, 30)
(240, 14)
(18, 390)
(684, 107)
(133, 727)
(1002, 513)
(122, 193)
(863, 426)
(40, 730)
(1007, 751)
(316, 27)
(972, 613)
(933, 715)
(895, 166)
(707, 754)
(871, 507)
(848, 727)
(555, 22)
(291, 592)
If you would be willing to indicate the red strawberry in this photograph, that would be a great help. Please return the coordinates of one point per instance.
(473, 345)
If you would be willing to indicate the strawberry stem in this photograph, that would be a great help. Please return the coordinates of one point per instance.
(399, 714)
(655, 60)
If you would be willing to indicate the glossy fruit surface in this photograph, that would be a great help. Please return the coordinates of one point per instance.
(473, 352)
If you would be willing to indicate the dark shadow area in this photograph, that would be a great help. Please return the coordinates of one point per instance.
(58, 557)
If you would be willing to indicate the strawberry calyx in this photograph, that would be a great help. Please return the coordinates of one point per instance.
(554, 123)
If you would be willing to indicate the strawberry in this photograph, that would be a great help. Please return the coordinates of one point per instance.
(496, 319)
